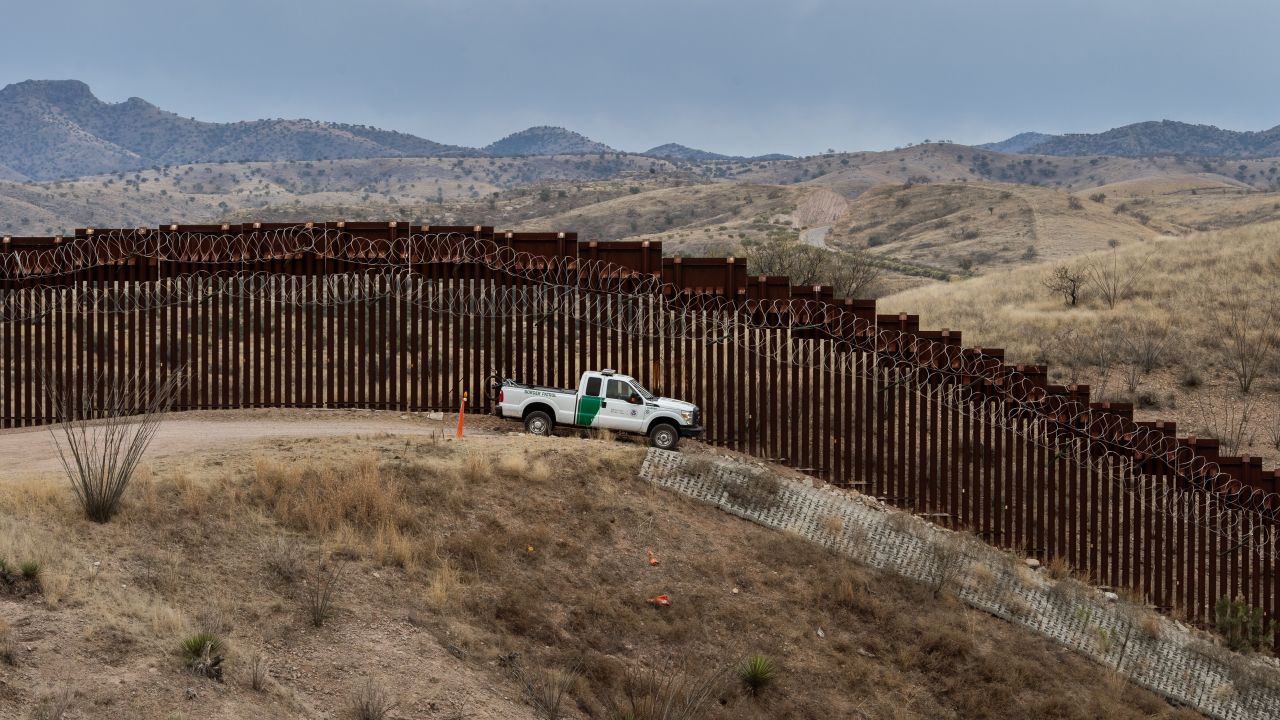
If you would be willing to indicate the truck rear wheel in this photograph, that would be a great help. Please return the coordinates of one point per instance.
(664, 437)
(538, 423)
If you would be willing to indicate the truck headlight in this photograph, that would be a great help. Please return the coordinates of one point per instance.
(686, 416)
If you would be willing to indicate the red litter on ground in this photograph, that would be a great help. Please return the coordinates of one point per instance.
(653, 559)
(659, 600)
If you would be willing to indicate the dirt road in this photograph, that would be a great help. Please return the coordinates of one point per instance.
(30, 451)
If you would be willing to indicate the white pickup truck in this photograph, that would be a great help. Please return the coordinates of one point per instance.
(604, 399)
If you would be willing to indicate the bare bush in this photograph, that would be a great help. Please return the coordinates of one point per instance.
(53, 707)
(1066, 281)
(105, 430)
(1251, 339)
(259, 671)
(950, 559)
(371, 701)
(1114, 277)
(851, 273)
(547, 688)
(666, 696)
(321, 588)
(790, 257)
(283, 556)
(1228, 422)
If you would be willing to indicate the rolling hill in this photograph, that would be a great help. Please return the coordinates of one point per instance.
(57, 129)
(1165, 137)
(546, 140)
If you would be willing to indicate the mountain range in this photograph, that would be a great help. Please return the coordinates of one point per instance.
(51, 129)
(1144, 139)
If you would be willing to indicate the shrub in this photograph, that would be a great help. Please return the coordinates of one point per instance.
(321, 587)
(30, 569)
(547, 689)
(8, 647)
(1058, 568)
(1073, 203)
(203, 654)
(668, 695)
(53, 707)
(259, 671)
(756, 490)
(104, 433)
(283, 557)
(950, 560)
(757, 673)
(1240, 624)
(371, 701)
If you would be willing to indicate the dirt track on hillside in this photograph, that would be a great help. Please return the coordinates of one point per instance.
(30, 451)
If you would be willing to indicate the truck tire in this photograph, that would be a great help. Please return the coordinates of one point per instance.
(538, 423)
(664, 436)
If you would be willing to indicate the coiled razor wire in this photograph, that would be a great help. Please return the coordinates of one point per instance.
(358, 270)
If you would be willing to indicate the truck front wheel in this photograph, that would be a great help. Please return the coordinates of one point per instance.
(664, 437)
(538, 423)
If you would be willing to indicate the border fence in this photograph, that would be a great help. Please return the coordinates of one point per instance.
(407, 317)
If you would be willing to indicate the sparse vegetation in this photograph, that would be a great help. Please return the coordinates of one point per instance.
(1241, 625)
(547, 689)
(756, 673)
(371, 701)
(203, 654)
(101, 439)
(321, 590)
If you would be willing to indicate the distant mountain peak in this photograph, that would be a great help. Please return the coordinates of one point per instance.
(57, 128)
(546, 140)
(676, 151)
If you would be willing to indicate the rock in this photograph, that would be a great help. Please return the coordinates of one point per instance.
(1110, 596)
(1032, 563)
(821, 634)
(435, 416)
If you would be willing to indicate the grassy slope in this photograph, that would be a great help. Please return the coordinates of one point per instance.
(465, 559)
(1188, 284)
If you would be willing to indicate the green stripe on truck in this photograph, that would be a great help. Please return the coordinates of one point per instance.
(588, 408)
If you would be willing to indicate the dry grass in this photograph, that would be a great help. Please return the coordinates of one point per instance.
(1199, 281)
(577, 599)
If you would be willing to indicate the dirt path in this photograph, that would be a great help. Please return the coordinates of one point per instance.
(30, 451)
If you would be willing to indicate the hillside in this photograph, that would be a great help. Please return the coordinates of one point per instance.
(1022, 142)
(57, 129)
(1166, 137)
(546, 140)
(682, 152)
(1167, 346)
(463, 566)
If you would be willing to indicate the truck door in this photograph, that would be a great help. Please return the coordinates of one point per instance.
(622, 407)
(589, 401)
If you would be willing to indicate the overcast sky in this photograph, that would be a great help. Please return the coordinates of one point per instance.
(732, 76)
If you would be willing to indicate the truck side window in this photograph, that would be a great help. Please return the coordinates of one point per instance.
(593, 387)
(619, 390)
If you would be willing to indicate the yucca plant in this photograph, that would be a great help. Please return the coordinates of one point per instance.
(30, 569)
(757, 673)
(203, 654)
